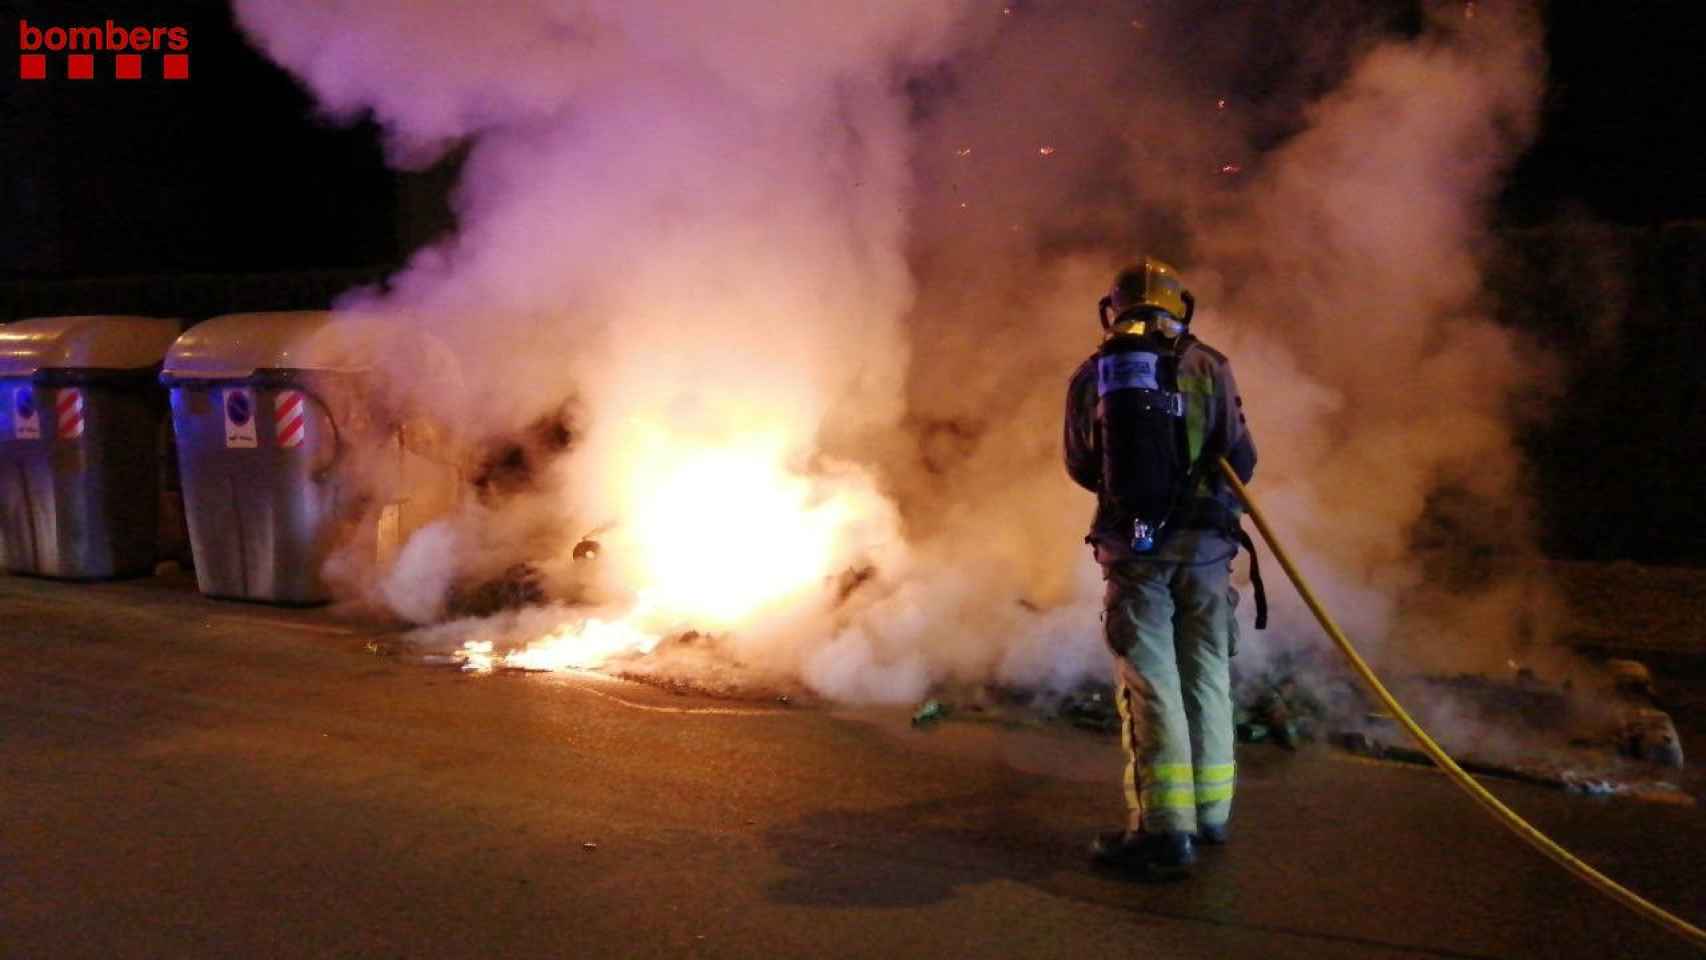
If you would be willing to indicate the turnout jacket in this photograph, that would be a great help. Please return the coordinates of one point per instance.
(1214, 427)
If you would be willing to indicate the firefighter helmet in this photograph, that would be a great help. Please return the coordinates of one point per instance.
(1141, 290)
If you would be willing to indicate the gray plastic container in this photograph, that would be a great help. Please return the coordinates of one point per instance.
(269, 410)
(81, 440)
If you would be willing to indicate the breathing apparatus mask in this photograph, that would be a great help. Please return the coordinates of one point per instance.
(1144, 318)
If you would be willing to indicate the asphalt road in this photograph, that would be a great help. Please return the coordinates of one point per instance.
(186, 778)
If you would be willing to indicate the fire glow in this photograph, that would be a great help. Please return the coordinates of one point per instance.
(719, 535)
(716, 537)
(581, 645)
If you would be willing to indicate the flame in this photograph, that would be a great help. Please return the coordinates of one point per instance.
(720, 534)
(585, 644)
(477, 656)
(713, 537)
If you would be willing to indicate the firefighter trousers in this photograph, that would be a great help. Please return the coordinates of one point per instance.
(1172, 626)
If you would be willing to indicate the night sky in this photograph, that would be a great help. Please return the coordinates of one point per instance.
(232, 172)
(105, 177)
(228, 171)
(1624, 124)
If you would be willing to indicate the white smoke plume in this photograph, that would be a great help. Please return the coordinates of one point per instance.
(1358, 255)
(1338, 262)
(839, 261)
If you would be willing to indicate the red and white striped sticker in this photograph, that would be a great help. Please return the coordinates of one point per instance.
(69, 405)
(290, 418)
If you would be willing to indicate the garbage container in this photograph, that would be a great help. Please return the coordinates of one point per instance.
(274, 413)
(80, 423)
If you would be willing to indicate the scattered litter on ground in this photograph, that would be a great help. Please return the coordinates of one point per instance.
(1576, 737)
(1647, 733)
(1631, 679)
(929, 712)
(1091, 708)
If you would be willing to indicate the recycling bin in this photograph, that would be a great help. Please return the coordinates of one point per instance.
(81, 418)
(288, 455)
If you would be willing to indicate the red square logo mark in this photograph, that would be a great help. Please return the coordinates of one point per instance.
(177, 66)
(32, 66)
(80, 66)
(127, 66)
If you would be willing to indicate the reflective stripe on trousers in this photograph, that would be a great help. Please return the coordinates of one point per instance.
(1174, 622)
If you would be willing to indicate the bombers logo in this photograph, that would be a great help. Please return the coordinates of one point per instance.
(125, 48)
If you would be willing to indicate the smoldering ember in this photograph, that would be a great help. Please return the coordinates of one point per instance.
(554, 478)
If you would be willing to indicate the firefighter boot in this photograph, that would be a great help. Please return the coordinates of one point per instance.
(1156, 856)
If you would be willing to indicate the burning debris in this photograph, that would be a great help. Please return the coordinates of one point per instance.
(578, 643)
(521, 585)
(561, 639)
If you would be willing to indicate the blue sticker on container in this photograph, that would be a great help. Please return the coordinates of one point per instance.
(26, 419)
(238, 407)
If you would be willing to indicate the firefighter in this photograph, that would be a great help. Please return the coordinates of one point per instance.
(1147, 418)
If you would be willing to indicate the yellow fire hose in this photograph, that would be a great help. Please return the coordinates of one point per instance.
(1500, 812)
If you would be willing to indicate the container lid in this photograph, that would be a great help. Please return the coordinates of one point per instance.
(84, 343)
(237, 345)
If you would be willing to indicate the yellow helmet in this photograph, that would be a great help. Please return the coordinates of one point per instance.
(1141, 290)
